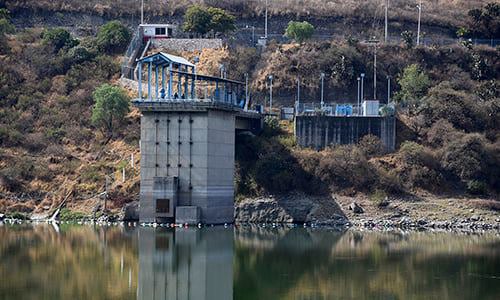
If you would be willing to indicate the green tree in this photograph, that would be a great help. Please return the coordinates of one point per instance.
(113, 37)
(414, 85)
(197, 20)
(58, 38)
(111, 106)
(220, 20)
(299, 31)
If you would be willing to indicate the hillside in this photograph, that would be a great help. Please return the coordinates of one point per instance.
(448, 130)
(331, 17)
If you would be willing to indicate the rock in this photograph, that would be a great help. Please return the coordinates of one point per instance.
(475, 218)
(292, 208)
(422, 222)
(356, 208)
(130, 212)
(471, 210)
(2, 217)
(497, 220)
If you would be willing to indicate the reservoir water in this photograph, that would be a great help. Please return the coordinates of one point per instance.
(244, 262)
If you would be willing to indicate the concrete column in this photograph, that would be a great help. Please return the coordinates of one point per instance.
(170, 81)
(149, 80)
(156, 82)
(140, 80)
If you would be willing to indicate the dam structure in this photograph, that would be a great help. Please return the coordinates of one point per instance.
(321, 127)
(188, 127)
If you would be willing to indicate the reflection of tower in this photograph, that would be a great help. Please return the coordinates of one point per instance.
(185, 263)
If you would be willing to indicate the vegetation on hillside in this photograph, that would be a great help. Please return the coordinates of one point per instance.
(48, 137)
(442, 13)
(299, 31)
(202, 20)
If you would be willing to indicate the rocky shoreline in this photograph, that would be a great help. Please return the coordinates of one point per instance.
(332, 212)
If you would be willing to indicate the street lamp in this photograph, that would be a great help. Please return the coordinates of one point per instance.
(298, 96)
(388, 89)
(322, 76)
(419, 6)
(362, 86)
(270, 94)
(359, 99)
(246, 92)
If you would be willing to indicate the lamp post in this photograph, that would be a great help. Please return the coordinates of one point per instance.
(298, 96)
(322, 76)
(386, 31)
(246, 91)
(388, 89)
(362, 86)
(419, 6)
(270, 94)
(359, 99)
(265, 25)
(142, 11)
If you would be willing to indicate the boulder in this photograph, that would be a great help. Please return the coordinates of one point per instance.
(2, 217)
(475, 218)
(130, 212)
(356, 208)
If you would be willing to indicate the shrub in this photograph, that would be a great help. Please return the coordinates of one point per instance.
(345, 167)
(465, 157)
(35, 141)
(371, 146)
(299, 31)
(379, 198)
(58, 38)
(68, 215)
(113, 37)
(457, 107)
(476, 187)
(441, 133)
(419, 166)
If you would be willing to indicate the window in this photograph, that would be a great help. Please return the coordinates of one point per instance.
(170, 32)
(160, 31)
(162, 206)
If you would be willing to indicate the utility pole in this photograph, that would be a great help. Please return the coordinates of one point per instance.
(322, 88)
(374, 42)
(359, 98)
(142, 11)
(375, 72)
(386, 20)
(418, 26)
(298, 96)
(271, 94)
(388, 89)
(362, 87)
(246, 91)
(265, 26)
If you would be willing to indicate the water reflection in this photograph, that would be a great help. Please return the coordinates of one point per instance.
(185, 263)
(83, 262)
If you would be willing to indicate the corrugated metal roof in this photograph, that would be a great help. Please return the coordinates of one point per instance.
(177, 59)
(169, 58)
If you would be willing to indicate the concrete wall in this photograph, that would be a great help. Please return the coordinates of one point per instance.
(320, 131)
(198, 149)
(186, 44)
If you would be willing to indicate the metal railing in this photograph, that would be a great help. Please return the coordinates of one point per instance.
(133, 49)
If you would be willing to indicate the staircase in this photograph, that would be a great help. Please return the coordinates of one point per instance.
(135, 49)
